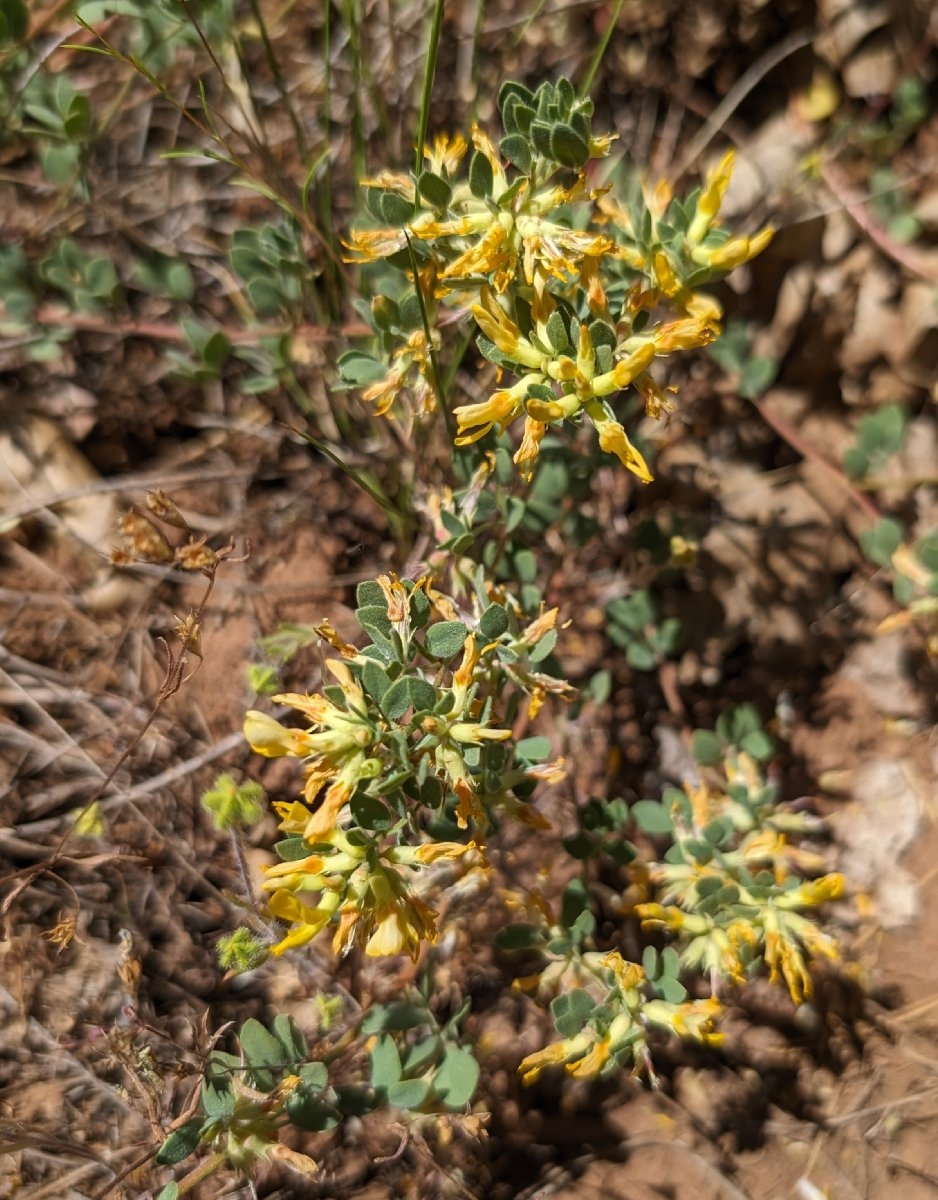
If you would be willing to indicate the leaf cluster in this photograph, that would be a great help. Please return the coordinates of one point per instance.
(248, 1098)
(416, 1063)
(913, 572)
(880, 436)
(633, 626)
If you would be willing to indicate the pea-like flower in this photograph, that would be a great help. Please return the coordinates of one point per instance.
(337, 747)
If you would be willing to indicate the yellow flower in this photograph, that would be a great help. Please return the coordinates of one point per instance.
(539, 627)
(293, 815)
(628, 975)
(500, 329)
(550, 773)
(469, 807)
(708, 206)
(431, 852)
(813, 892)
(784, 959)
(446, 153)
(463, 675)
(306, 921)
(695, 304)
(397, 599)
(592, 1062)
(549, 411)
(371, 245)
(786, 933)
(327, 633)
(411, 367)
(692, 1021)
(526, 454)
(665, 277)
(268, 737)
(471, 733)
(500, 409)
(336, 747)
(600, 144)
(393, 918)
(558, 1052)
(734, 252)
(705, 308)
(324, 819)
(484, 144)
(525, 813)
(494, 254)
(592, 284)
(614, 440)
(392, 181)
(296, 875)
(685, 334)
(624, 371)
(558, 250)
(657, 914)
(401, 928)
(657, 405)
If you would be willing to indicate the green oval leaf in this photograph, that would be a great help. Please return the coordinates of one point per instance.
(494, 622)
(571, 1011)
(533, 749)
(401, 1015)
(309, 1111)
(542, 648)
(706, 747)
(516, 149)
(408, 1093)
(264, 1055)
(357, 369)
(385, 1063)
(422, 694)
(481, 176)
(217, 1100)
(446, 638)
(395, 209)
(434, 189)
(180, 1143)
(652, 817)
(758, 744)
(456, 1080)
(567, 147)
(375, 680)
(641, 657)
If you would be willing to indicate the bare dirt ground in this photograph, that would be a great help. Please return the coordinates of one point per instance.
(781, 608)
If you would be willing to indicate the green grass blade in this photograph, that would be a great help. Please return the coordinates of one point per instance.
(428, 73)
(587, 84)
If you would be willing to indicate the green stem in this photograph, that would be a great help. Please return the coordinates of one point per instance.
(397, 519)
(277, 74)
(350, 16)
(597, 58)
(429, 72)
(334, 275)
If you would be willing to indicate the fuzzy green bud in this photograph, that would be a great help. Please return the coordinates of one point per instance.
(233, 805)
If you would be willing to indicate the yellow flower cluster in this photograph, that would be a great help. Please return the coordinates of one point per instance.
(359, 886)
(360, 892)
(600, 1046)
(523, 273)
(582, 383)
(758, 912)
